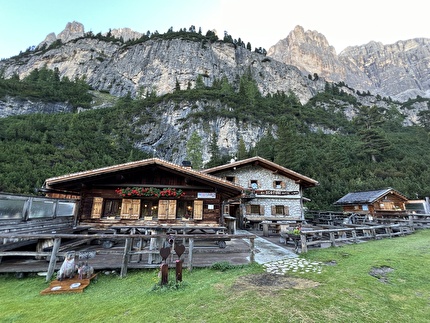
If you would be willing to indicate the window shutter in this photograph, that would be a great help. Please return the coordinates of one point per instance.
(273, 209)
(126, 208)
(198, 210)
(163, 209)
(96, 211)
(248, 209)
(283, 185)
(286, 210)
(274, 184)
(135, 209)
(171, 210)
(261, 209)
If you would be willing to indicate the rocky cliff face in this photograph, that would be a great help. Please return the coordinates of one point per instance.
(156, 65)
(12, 106)
(166, 137)
(400, 70)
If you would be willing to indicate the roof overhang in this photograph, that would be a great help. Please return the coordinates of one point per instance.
(304, 181)
(75, 182)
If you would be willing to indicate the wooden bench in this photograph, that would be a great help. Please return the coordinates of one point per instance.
(70, 244)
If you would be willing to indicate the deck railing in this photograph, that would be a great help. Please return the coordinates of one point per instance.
(127, 251)
(336, 236)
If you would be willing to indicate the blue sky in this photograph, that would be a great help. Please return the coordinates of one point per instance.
(24, 23)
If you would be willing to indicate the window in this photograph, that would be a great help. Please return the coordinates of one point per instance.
(41, 208)
(230, 179)
(253, 184)
(278, 184)
(280, 210)
(11, 209)
(111, 207)
(148, 209)
(185, 209)
(66, 208)
(254, 209)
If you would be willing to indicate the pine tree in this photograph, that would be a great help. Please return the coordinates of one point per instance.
(369, 121)
(241, 150)
(214, 152)
(195, 151)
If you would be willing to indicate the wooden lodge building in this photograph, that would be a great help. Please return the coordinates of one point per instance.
(374, 203)
(151, 190)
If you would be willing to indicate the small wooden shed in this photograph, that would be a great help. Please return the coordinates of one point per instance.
(374, 202)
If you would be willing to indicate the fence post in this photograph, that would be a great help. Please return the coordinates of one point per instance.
(354, 235)
(332, 239)
(53, 260)
(411, 222)
(190, 253)
(303, 241)
(252, 257)
(126, 257)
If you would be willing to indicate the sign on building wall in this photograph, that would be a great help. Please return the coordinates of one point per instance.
(202, 195)
(273, 192)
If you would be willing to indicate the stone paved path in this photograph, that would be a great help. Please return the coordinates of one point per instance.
(295, 265)
(279, 260)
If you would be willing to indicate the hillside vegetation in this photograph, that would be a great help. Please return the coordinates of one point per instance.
(370, 150)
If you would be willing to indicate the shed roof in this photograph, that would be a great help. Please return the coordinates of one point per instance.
(367, 197)
(259, 161)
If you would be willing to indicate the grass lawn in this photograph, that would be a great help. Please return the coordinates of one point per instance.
(343, 292)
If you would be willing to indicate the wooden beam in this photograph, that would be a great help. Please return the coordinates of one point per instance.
(126, 257)
(53, 260)
(190, 253)
(252, 256)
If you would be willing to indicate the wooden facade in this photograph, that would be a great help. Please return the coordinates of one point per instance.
(374, 203)
(150, 190)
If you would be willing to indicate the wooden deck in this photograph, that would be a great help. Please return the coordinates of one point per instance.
(204, 254)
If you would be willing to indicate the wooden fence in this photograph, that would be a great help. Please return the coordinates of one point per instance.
(337, 235)
(127, 251)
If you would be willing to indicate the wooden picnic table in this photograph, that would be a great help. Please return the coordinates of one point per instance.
(184, 229)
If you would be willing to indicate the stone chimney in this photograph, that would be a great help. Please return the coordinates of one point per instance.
(186, 164)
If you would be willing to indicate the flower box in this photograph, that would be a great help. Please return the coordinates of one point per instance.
(149, 192)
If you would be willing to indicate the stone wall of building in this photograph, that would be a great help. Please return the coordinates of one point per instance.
(289, 195)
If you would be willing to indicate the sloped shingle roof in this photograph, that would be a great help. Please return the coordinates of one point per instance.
(304, 180)
(85, 175)
(367, 197)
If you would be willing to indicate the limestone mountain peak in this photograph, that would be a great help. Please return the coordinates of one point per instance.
(72, 31)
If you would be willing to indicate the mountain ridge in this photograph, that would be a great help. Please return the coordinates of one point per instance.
(398, 70)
